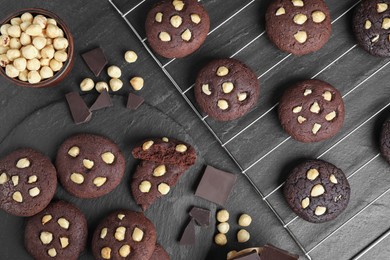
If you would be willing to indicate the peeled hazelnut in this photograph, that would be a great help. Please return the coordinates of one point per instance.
(39, 42)
(52, 31)
(33, 77)
(312, 174)
(223, 215)
(33, 64)
(223, 104)
(178, 4)
(77, 178)
(34, 192)
(103, 233)
(32, 179)
(100, 86)
(222, 71)
(20, 64)
(280, 11)
(23, 75)
(317, 190)
(48, 52)
(115, 84)
(159, 171)
(375, 38)
(297, 109)
(298, 3)
(60, 56)
(14, 43)
(46, 72)
(195, 18)
(245, 220)
(52, 252)
(29, 52)
(64, 242)
(14, 31)
(114, 72)
(206, 89)
(381, 7)
(13, 54)
(227, 87)
(300, 19)
(176, 21)
(301, 36)
(301, 119)
(87, 84)
(40, 20)
(386, 23)
(99, 181)
(46, 237)
(46, 219)
(60, 43)
(137, 235)
(11, 71)
(220, 239)
(108, 157)
(88, 163)
(34, 30)
(51, 21)
(307, 92)
(121, 216)
(131, 56)
(15, 180)
(320, 210)
(4, 29)
(64, 223)
(17, 196)
(181, 148)
(315, 108)
(327, 96)
(3, 50)
(243, 236)
(164, 36)
(145, 186)
(106, 253)
(3, 178)
(165, 139)
(333, 179)
(163, 188)
(316, 128)
(223, 227)
(242, 96)
(318, 16)
(124, 251)
(305, 203)
(4, 61)
(158, 17)
(16, 21)
(186, 35)
(4, 40)
(120, 233)
(74, 151)
(147, 145)
(137, 83)
(330, 116)
(27, 17)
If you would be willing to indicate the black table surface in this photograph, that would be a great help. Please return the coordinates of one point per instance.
(39, 118)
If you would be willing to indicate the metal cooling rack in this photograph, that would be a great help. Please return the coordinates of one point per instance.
(126, 12)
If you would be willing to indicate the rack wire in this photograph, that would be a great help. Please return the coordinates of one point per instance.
(185, 93)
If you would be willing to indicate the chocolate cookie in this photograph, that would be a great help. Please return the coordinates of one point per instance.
(226, 89)
(177, 28)
(311, 111)
(124, 234)
(58, 232)
(89, 166)
(385, 140)
(152, 180)
(298, 26)
(28, 181)
(166, 151)
(371, 26)
(160, 253)
(317, 191)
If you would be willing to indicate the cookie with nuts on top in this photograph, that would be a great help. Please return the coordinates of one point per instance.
(166, 151)
(226, 89)
(60, 231)
(311, 111)
(160, 253)
(124, 234)
(385, 141)
(317, 191)
(89, 166)
(177, 28)
(28, 181)
(298, 26)
(153, 180)
(371, 26)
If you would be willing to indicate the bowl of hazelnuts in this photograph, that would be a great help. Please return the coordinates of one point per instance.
(36, 48)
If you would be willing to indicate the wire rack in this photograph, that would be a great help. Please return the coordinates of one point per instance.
(254, 157)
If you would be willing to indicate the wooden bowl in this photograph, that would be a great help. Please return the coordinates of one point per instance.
(67, 66)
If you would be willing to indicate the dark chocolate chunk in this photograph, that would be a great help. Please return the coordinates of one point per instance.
(271, 252)
(249, 256)
(79, 110)
(102, 101)
(134, 101)
(95, 60)
(201, 216)
(215, 185)
(188, 236)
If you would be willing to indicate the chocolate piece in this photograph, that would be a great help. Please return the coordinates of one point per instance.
(201, 216)
(249, 256)
(271, 252)
(188, 236)
(95, 60)
(215, 185)
(78, 108)
(134, 101)
(102, 101)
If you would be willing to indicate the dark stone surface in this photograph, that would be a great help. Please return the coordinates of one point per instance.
(46, 123)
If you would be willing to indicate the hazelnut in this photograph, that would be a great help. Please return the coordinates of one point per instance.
(23, 163)
(176, 21)
(51, 21)
(105, 253)
(297, 109)
(4, 29)
(145, 186)
(55, 65)
(137, 83)
(4, 40)
(120, 233)
(330, 116)
(381, 7)
(223, 104)
(164, 36)
(64, 242)
(46, 219)
(327, 96)
(4, 61)
(159, 171)
(16, 21)
(74, 151)
(300, 36)
(14, 43)
(46, 72)
(305, 203)
(307, 92)
(165, 139)
(52, 252)
(39, 42)
(32, 179)
(3, 50)
(181, 148)
(34, 192)
(316, 128)
(137, 235)
(320, 210)
(17, 196)
(178, 4)
(241, 96)
(108, 157)
(227, 87)
(77, 178)
(100, 86)
(27, 17)
(15, 180)
(29, 52)
(13, 54)
(88, 163)
(11, 71)
(386, 23)
(87, 84)
(280, 11)
(33, 64)
(34, 30)
(206, 89)
(333, 179)
(115, 84)
(163, 188)
(220, 239)
(121, 216)
(315, 108)
(245, 220)
(20, 64)
(300, 19)
(223, 215)
(60, 56)
(48, 52)
(60, 43)
(46, 237)
(375, 38)
(243, 236)
(3, 178)
(124, 251)
(131, 56)
(222, 71)
(367, 24)
(158, 17)
(24, 26)
(23, 75)
(318, 16)
(14, 31)
(64, 223)
(103, 233)
(317, 190)
(114, 72)
(52, 31)
(312, 174)
(186, 35)
(99, 181)
(33, 77)
(298, 3)
(301, 119)
(223, 228)
(40, 20)
(195, 18)
(147, 145)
